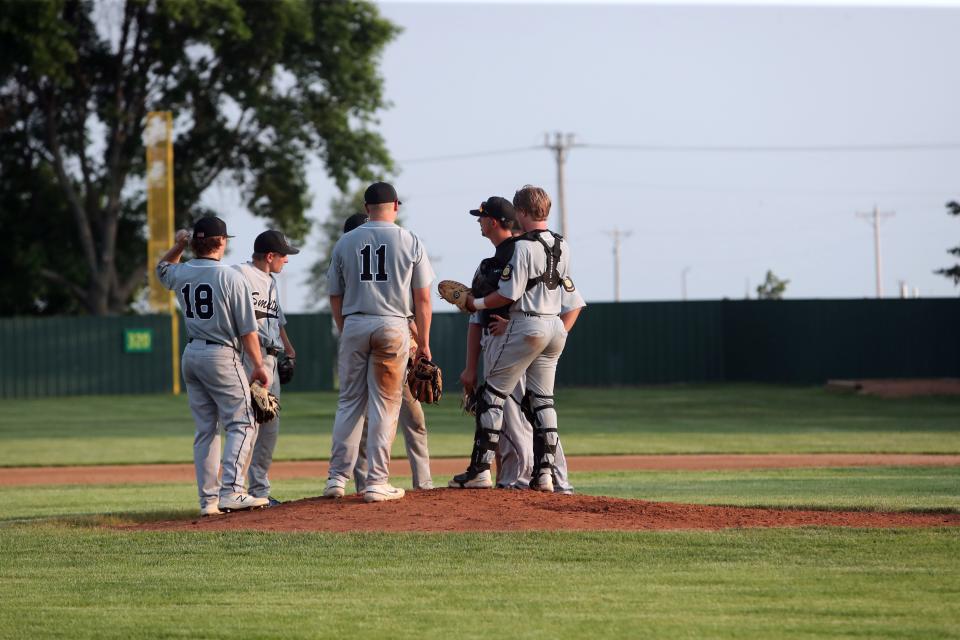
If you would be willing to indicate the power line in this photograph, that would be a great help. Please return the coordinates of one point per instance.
(468, 156)
(853, 148)
(908, 146)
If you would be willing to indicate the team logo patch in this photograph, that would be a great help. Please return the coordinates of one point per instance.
(568, 285)
(506, 273)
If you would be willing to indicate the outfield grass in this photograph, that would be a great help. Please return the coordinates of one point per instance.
(873, 488)
(62, 576)
(676, 419)
(83, 583)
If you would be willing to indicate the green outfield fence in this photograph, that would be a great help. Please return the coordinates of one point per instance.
(785, 341)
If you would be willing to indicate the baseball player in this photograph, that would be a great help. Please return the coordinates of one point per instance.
(270, 251)
(221, 326)
(411, 421)
(532, 284)
(379, 276)
(514, 454)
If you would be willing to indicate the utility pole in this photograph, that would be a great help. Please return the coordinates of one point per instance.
(561, 145)
(875, 218)
(616, 234)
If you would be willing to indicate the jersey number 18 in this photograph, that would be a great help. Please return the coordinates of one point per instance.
(365, 259)
(202, 300)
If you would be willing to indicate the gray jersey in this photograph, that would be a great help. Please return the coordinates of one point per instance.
(376, 267)
(530, 261)
(215, 299)
(266, 304)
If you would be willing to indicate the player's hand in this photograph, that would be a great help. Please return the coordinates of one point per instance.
(468, 378)
(498, 325)
(468, 305)
(182, 237)
(260, 373)
(424, 352)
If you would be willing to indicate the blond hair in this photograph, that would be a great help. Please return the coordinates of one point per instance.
(533, 201)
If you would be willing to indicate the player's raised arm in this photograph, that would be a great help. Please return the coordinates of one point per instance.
(179, 246)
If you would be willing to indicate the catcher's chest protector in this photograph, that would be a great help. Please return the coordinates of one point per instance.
(550, 277)
(487, 278)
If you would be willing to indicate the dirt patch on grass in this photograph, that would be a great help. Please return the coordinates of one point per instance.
(146, 473)
(505, 510)
(898, 388)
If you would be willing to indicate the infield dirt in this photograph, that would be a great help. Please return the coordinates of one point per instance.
(453, 510)
(113, 474)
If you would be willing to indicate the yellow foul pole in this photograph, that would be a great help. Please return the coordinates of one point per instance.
(158, 139)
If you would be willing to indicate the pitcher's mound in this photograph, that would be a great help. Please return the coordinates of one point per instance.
(503, 510)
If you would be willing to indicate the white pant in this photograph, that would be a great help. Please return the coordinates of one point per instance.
(258, 484)
(531, 345)
(373, 355)
(515, 450)
(219, 394)
(413, 426)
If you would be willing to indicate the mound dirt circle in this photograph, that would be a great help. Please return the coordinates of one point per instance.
(452, 510)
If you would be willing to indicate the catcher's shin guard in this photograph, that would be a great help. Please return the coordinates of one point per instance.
(540, 411)
(487, 435)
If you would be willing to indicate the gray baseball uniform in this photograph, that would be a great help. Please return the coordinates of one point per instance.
(270, 318)
(536, 279)
(375, 268)
(217, 309)
(413, 426)
(515, 449)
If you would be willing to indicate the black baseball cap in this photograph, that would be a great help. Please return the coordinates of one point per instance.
(273, 242)
(210, 227)
(355, 221)
(379, 193)
(496, 207)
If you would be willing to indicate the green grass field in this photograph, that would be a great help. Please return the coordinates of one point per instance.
(62, 574)
(84, 583)
(679, 419)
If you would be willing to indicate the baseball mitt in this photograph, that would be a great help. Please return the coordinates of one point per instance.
(425, 381)
(469, 401)
(455, 293)
(285, 367)
(264, 404)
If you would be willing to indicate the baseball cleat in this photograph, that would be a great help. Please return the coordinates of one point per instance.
(382, 492)
(471, 480)
(544, 483)
(272, 502)
(334, 488)
(241, 502)
(210, 510)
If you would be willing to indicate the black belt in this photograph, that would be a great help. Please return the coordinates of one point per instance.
(211, 342)
(272, 351)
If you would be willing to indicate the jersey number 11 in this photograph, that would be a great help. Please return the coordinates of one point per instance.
(366, 254)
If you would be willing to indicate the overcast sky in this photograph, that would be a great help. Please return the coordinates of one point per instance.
(466, 78)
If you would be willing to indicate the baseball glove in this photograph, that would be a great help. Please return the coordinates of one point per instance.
(455, 293)
(469, 401)
(264, 404)
(285, 367)
(425, 381)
